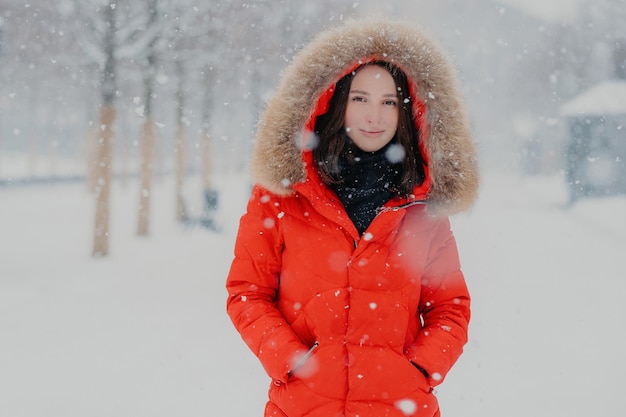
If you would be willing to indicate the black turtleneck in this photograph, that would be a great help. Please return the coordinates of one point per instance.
(367, 183)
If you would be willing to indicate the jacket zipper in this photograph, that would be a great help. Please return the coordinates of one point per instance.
(395, 208)
(402, 206)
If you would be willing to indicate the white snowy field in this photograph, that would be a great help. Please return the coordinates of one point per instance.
(144, 331)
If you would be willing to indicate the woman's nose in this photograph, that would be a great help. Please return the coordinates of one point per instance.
(372, 115)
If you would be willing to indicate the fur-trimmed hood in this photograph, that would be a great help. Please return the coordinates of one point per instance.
(277, 161)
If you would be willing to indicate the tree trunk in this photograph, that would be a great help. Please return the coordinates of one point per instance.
(211, 196)
(207, 160)
(206, 150)
(181, 212)
(147, 167)
(104, 158)
(104, 145)
(179, 148)
(148, 141)
(123, 146)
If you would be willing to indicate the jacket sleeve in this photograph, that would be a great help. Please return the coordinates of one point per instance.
(444, 308)
(252, 286)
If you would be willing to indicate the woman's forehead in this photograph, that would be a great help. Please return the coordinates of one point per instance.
(373, 76)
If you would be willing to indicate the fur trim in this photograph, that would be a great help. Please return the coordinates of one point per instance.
(277, 159)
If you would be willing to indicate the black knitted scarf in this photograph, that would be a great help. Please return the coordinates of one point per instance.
(367, 182)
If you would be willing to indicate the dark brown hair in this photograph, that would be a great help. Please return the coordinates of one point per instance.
(333, 141)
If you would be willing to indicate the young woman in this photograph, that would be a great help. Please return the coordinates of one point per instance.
(346, 281)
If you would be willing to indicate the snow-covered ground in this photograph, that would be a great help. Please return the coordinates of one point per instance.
(143, 332)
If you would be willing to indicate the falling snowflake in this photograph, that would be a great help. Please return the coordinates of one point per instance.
(395, 153)
(408, 407)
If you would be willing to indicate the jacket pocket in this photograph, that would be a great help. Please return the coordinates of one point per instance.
(303, 359)
(423, 374)
(419, 368)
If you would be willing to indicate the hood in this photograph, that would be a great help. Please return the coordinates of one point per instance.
(277, 159)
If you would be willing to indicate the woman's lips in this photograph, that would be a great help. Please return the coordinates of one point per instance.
(372, 132)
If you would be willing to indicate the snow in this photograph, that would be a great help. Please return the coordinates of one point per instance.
(608, 97)
(554, 10)
(144, 331)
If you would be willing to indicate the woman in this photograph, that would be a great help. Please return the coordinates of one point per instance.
(346, 281)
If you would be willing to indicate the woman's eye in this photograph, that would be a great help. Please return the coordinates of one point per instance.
(390, 103)
(357, 98)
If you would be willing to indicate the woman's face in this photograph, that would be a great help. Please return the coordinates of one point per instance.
(371, 118)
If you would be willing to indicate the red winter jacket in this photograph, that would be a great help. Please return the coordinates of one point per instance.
(341, 322)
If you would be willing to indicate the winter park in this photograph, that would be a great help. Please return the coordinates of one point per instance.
(125, 139)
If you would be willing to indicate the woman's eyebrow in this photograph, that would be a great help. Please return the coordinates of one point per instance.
(367, 94)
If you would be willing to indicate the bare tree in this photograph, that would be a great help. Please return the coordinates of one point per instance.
(198, 27)
(104, 153)
(107, 38)
(186, 35)
(33, 58)
(148, 139)
(180, 148)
